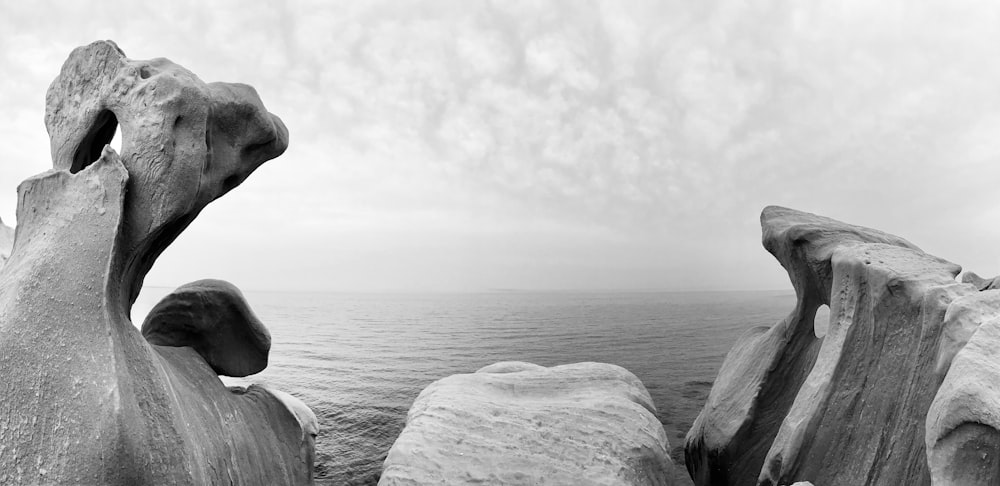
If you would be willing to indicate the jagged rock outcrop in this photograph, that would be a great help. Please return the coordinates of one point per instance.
(899, 391)
(85, 398)
(6, 242)
(520, 423)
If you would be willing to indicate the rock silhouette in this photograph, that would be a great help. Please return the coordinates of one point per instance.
(901, 390)
(520, 423)
(86, 399)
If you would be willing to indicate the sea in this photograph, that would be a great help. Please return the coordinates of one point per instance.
(359, 360)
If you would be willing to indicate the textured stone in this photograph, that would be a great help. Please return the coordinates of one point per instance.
(520, 423)
(901, 390)
(963, 423)
(184, 142)
(307, 423)
(980, 282)
(85, 398)
(213, 318)
(6, 242)
(761, 375)
(874, 379)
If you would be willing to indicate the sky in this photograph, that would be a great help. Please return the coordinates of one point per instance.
(555, 145)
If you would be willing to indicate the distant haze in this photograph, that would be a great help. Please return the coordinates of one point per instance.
(543, 145)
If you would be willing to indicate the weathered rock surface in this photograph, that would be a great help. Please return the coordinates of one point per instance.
(308, 423)
(980, 282)
(213, 318)
(85, 398)
(520, 423)
(864, 405)
(963, 423)
(6, 242)
(184, 142)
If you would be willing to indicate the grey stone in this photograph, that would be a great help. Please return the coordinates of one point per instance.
(520, 423)
(86, 399)
(213, 318)
(901, 390)
(6, 242)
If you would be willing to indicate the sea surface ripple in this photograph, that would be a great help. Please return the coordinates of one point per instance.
(359, 360)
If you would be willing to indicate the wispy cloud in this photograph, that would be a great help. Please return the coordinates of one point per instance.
(517, 144)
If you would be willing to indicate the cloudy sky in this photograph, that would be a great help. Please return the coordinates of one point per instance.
(476, 145)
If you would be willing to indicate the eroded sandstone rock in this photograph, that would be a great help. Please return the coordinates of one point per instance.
(865, 405)
(6, 242)
(963, 422)
(980, 282)
(213, 318)
(85, 398)
(184, 142)
(761, 375)
(520, 423)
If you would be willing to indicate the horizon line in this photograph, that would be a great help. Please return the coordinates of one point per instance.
(500, 290)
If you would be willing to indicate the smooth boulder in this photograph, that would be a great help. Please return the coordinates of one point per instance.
(520, 423)
(214, 319)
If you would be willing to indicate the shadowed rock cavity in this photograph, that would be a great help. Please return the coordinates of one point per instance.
(520, 423)
(88, 400)
(900, 390)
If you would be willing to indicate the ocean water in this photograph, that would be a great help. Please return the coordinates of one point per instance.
(359, 360)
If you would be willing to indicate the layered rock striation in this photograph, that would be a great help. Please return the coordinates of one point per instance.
(900, 390)
(520, 423)
(86, 399)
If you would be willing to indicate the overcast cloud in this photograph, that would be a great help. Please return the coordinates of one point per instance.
(474, 145)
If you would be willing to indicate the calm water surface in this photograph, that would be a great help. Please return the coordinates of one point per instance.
(359, 360)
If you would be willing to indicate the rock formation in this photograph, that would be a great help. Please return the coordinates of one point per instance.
(6, 242)
(901, 390)
(211, 317)
(86, 399)
(520, 423)
(980, 282)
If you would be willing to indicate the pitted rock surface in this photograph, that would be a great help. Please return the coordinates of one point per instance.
(184, 142)
(85, 398)
(901, 390)
(520, 423)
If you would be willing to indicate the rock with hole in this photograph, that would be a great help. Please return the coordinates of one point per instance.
(897, 392)
(88, 400)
